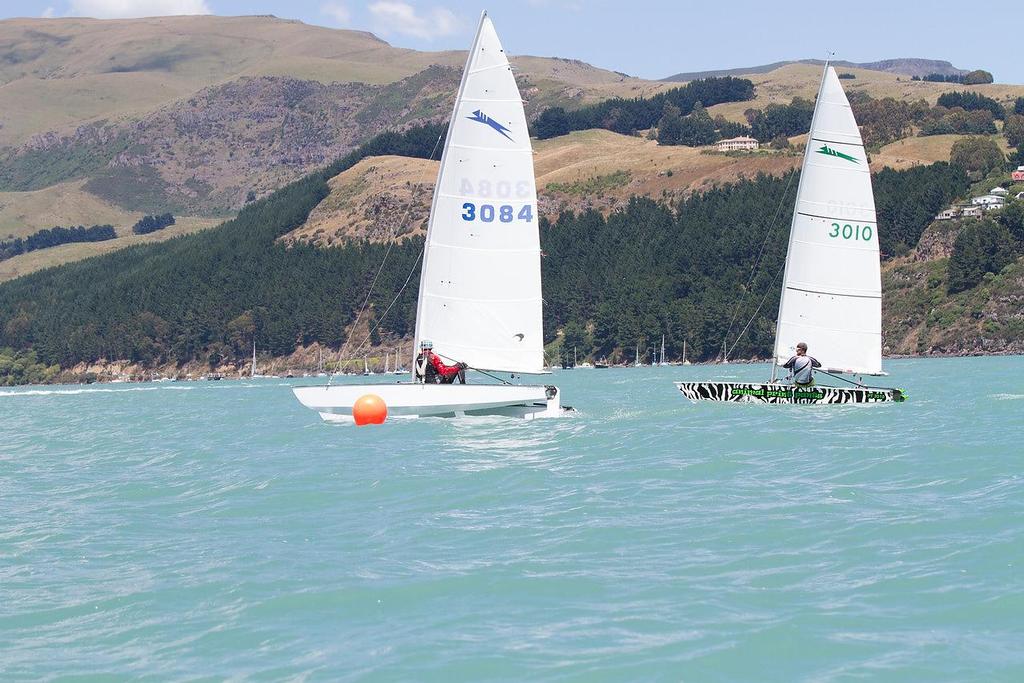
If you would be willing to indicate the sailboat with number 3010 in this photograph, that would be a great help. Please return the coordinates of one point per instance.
(480, 285)
(832, 291)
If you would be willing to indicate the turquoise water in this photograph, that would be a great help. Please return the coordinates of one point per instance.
(218, 529)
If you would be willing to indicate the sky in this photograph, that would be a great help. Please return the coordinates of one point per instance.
(651, 39)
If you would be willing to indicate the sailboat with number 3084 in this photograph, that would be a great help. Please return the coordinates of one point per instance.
(832, 291)
(480, 285)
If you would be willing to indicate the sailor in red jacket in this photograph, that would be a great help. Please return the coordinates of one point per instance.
(430, 369)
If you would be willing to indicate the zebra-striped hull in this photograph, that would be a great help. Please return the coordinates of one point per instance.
(739, 392)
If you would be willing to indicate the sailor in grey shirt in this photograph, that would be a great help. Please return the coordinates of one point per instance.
(802, 366)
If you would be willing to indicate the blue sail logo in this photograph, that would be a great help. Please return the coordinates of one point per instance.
(480, 117)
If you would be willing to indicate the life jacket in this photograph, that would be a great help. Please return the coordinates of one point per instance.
(425, 370)
(803, 369)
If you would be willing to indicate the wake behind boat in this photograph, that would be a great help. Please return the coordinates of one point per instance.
(480, 284)
(832, 290)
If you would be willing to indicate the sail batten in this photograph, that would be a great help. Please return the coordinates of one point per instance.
(480, 284)
(831, 296)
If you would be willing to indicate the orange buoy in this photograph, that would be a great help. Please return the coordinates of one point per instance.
(369, 409)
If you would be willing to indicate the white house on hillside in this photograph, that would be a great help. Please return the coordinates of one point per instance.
(733, 144)
(971, 212)
(998, 191)
(989, 202)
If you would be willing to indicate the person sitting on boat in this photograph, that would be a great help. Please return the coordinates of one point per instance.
(802, 366)
(430, 369)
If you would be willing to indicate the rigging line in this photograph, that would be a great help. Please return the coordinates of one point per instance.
(380, 269)
(384, 315)
(483, 372)
(758, 262)
(771, 287)
(856, 384)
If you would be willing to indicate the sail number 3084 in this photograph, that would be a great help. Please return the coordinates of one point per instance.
(487, 213)
(852, 232)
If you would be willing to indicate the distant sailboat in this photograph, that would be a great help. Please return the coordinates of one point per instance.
(663, 362)
(480, 281)
(831, 297)
(685, 362)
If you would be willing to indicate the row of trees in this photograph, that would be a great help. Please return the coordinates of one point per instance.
(685, 121)
(52, 237)
(972, 101)
(967, 113)
(775, 122)
(148, 224)
(958, 121)
(976, 77)
(695, 129)
(627, 116)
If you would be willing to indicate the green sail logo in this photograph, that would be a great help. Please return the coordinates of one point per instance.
(828, 151)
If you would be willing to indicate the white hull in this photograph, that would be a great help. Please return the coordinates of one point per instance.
(409, 400)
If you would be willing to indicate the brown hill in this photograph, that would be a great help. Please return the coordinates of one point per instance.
(102, 121)
(389, 197)
(57, 74)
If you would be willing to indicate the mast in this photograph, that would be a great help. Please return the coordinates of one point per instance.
(789, 248)
(252, 371)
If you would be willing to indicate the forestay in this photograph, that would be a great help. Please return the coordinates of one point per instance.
(480, 287)
(832, 297)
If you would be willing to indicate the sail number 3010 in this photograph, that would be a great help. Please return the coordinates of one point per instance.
(852, 232)
(487, 213)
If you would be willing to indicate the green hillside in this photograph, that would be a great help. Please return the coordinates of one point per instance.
(645, 270)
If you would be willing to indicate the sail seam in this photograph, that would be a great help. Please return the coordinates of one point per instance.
(838, 142)
(504, 200)
(519, 150)
(493, 250)
(482, 69)
(834, 218)
(819, 291)
(489, 99)
(482, 301)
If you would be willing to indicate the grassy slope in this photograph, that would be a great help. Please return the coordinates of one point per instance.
(23, 213)
(595, 168)
(65, 253)
(781, 85)
(924, 150)
(59, 73)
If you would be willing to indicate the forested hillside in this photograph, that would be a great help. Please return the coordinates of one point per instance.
(697, 271)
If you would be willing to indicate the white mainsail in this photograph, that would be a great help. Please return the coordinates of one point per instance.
(832, 293)
(480, 286)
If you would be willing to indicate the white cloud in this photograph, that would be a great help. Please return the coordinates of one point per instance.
(392, 16)
(48, 13)
(337, 12)
(126, 9)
